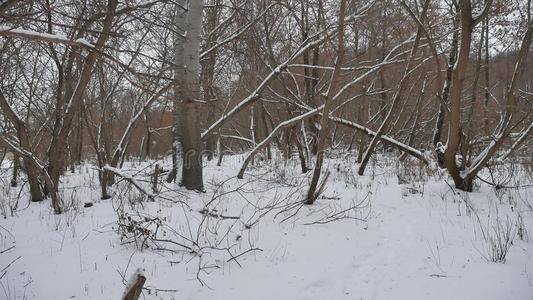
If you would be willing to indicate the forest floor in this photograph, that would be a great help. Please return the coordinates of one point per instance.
(399, 232)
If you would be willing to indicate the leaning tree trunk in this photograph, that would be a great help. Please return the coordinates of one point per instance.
(313, 193)
(24, 143)
(35, 190)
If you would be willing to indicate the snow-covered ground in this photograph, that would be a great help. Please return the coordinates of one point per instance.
(373, 237)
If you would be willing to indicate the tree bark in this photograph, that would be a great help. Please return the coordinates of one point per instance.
(187, 92)
(437, 133)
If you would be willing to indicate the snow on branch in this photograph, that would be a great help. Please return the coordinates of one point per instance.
(312, 42)
(236, 137)
(120, 150)
(256, 94)
(523, 135)
(41, 168)
(273, 133)
(504, 128)
(389, 59)
(401, 146)
(23, 153)
(43, 37)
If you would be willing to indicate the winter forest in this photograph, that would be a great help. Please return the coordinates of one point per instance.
(266, 149)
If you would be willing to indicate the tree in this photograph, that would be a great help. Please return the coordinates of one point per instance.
(463, 170)
(24, 143)
(187, 138)
(312, 193)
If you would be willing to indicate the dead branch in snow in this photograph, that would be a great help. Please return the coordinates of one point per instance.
(130, 179)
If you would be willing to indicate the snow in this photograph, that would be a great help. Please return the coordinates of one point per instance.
(236, 137)
(33, 33)
(521, 138)
(420, 240)
(85, 43)
(42, 36)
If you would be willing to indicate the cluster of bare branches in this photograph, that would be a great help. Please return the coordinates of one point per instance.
(110, 80)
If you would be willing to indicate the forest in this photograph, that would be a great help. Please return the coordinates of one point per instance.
(259, 149)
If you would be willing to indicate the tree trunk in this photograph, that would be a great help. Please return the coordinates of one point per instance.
(362, 119)
(437, 134)
(187, 92)
(312, 193)
(15, 178)
(467, 24)
(208, 74)
(487, 78)
(456, 88)
(134, 288)
(24, 143)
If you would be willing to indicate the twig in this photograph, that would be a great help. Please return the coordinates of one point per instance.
(5, 268)
(7, 249)
(215, 215)
(249, 250)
